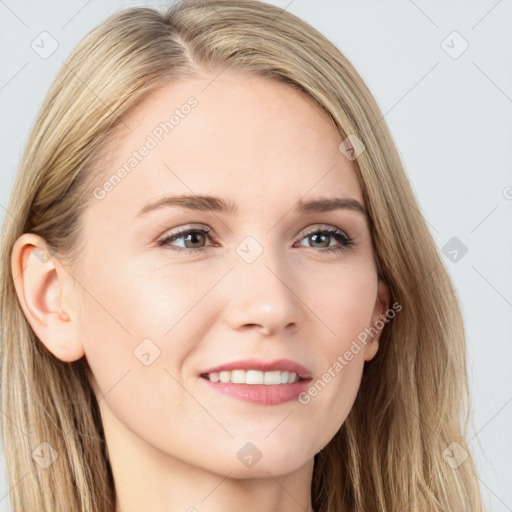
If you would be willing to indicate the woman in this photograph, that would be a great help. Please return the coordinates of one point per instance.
(173, 338)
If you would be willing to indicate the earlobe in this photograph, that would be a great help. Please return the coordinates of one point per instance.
(40, 283)
(378, 320)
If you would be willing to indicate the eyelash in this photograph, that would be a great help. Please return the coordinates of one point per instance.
(346, 241)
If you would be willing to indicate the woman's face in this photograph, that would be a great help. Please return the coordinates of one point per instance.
(251, 288)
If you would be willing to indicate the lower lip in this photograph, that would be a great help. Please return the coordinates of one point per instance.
(260, 393)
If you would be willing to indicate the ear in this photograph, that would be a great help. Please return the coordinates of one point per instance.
(43, 287)
(378, 320)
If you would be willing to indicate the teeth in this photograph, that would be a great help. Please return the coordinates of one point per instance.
(254, 377)
(214, 377)
(272, 377)
(238, 376)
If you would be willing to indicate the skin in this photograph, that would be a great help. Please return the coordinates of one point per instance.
(172, 441)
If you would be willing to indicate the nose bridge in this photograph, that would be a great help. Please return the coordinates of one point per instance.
(262, 293)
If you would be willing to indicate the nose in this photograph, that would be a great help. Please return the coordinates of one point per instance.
(263, 295)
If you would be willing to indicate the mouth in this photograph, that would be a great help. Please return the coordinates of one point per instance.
(257, 381)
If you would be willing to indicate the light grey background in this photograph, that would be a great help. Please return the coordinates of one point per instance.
(452, 122)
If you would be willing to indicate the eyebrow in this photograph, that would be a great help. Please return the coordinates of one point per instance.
(216, 204)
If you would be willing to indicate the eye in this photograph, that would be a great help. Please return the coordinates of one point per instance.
(194, 239)
(324, 236)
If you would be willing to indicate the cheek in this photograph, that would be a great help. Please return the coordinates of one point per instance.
(138, 329)
(345, 307)
(331, 394)
(125, 305)
(134, 368)
(345, 302)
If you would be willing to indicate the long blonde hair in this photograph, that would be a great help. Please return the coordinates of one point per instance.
(412, 406)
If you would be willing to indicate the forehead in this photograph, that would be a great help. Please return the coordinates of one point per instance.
(243, 137)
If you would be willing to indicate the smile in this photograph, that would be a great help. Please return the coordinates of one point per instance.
(265, 382)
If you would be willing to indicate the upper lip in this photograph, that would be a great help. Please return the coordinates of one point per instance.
(264, 366)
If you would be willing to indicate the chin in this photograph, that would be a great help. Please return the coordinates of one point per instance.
(264, 468)
(260, 457)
